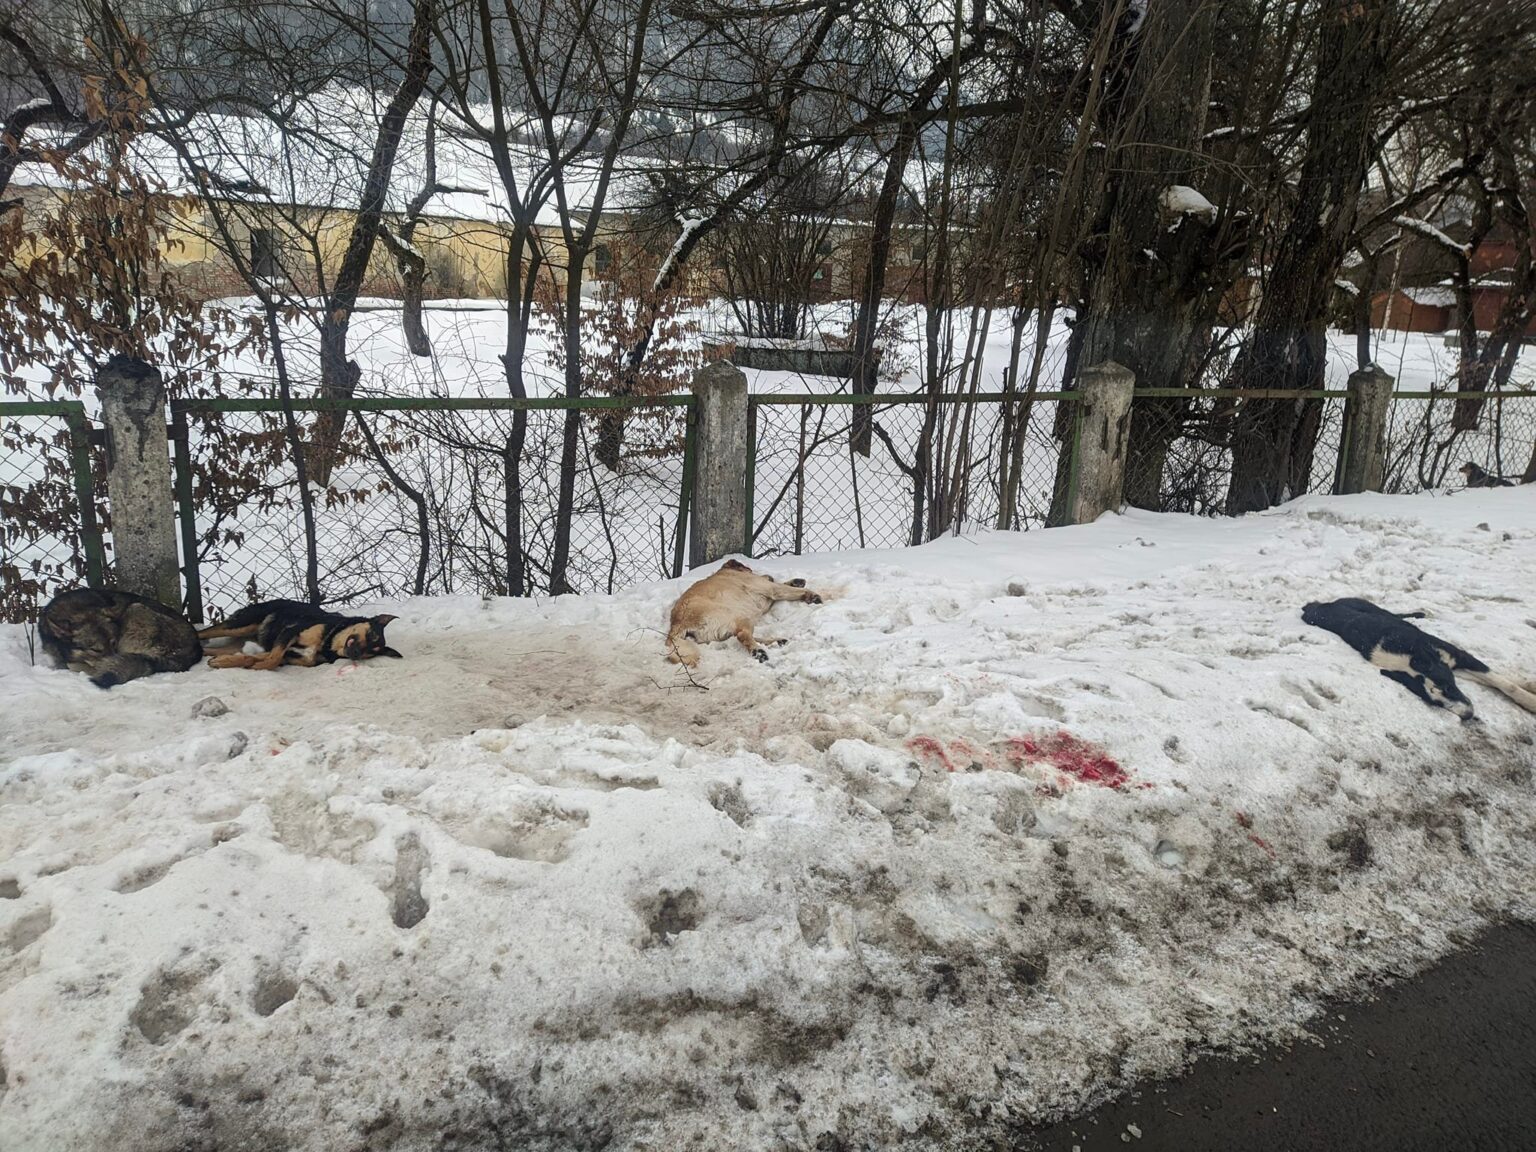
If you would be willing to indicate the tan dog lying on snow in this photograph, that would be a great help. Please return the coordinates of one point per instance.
(725, 604)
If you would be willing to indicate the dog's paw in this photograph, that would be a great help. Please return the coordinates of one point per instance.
(781, 642)
(797, 583)
(813, 598)
(760, 655)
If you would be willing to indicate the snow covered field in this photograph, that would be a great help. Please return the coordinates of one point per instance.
(528, 888)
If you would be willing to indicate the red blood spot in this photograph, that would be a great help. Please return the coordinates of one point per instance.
(1071, 756)
(1262, 843)
(928, 746)
(1244, 820)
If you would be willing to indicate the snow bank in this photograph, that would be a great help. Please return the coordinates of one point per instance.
(529, 888)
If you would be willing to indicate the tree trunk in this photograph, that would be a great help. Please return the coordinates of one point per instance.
(338, 374)
(865, 359)
(1154, 274)
(413, 275)
(520, 287)
(1272, 440)
(560, 555)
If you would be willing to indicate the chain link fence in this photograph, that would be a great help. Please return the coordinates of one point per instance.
(935, 465)
(1182, 448)
(49, 514)
(430, 497)
(434, 496)
(1431, 437)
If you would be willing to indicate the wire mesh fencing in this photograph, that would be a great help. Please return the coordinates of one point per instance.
(936, 465)
(465, 496)
(49, 534)
(1185, 446)
(431, 497)
(1432, 437)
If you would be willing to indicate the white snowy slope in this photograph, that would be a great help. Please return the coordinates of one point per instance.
(528, 888)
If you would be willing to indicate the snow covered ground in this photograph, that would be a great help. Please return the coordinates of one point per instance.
(529, 888)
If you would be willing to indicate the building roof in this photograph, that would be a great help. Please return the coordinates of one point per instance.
(318, 156)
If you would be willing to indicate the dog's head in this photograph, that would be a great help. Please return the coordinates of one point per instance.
(1469, 470)
(363, 639)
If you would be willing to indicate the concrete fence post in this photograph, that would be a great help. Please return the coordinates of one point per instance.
(1103, 437)
(718, 523)
(139, 486)
(1363, 453)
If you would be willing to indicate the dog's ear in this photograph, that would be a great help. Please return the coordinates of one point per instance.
(388, 651)
(383, 620)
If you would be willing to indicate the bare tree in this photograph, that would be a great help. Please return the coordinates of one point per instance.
(1273, 440)
(338, 373)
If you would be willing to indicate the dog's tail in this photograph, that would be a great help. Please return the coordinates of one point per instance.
(1521, 696)
(681, 649)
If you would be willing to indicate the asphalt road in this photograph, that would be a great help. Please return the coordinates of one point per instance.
(1444, 1062)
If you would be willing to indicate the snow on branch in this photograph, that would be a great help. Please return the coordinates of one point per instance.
(690, 225)
(1181, 200)
(1429, 232)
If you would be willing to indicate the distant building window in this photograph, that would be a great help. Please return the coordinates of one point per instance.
(264, 254)
(919, 250)
(602, 259)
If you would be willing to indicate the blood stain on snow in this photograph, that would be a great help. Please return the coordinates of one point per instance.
(1072, 756)
(928, 746)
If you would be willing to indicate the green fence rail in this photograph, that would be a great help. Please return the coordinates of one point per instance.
(936, 465)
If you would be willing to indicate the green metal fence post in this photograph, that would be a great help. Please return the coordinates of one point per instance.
(186, 514)
(85, 494)
(685, 494)
(746, 545)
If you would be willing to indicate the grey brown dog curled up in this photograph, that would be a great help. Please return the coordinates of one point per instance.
(726, 604)
(114, 636)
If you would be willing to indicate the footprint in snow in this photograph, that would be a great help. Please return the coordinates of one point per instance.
(541, 834)
(273, 989)
(668, 913)
(408, 906)
(168, 1002)
(151, 874)
(28, 928)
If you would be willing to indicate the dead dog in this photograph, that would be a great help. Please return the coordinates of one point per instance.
(114, 636)
(728, 603)
(1418, 661)
(293, 632)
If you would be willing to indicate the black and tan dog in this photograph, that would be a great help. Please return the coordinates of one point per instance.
(114, 636)
(1421, 663)
(296, 633)
(1477, 477)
